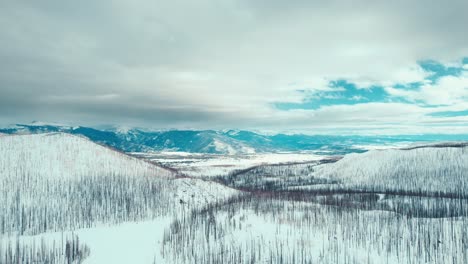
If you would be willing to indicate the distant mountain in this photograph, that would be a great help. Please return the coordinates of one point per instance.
(225, 142)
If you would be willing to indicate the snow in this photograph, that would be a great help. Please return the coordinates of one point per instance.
(133, 242)
(223, 148)
(64, 156)
(59, 155)
(228, 148)
(126, 243)
(123, 129)
(428, 169)
(205, 165)
(254, 229)
(65, 182)
(286, 232)
(382, 146)
(196, 193)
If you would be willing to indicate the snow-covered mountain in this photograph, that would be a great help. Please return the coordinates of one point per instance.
(437, 169)
(225, 141)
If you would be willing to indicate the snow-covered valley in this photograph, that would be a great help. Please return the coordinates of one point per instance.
(211, 165)
(66, 199)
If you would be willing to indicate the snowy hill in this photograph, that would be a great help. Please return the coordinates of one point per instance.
(59, 181)
(67, 156)
(53, 183)
(78, 183)
(438, 169)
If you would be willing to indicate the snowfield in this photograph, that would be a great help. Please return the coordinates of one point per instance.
(130, 242)
(206, 165)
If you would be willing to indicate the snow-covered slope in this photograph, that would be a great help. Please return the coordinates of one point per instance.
(424, 169)
(64, 155)
(41, 168)
(60, 155)
(60, 182)
(196, 193)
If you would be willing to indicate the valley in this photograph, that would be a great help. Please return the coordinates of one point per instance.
(67, 199)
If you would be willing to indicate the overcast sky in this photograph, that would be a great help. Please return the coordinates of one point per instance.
(317, 66)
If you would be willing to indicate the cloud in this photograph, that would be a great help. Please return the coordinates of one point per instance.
(411, 74)
(448, 90)
(368, 118)
(215, 64)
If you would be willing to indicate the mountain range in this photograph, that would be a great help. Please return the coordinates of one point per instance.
(226, 141)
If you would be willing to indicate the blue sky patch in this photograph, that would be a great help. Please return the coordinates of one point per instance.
(465, 60)
(439, 70)
(347, 93)
(449, 113)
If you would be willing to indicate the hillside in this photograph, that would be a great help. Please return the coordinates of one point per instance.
(438, 169)
(53, 183)
(67, 156)
(60, 181)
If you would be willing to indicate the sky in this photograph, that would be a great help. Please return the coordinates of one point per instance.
(365, 67)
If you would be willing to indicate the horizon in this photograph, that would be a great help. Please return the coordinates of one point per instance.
(126, 129)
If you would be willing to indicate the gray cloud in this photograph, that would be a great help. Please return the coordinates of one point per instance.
(210, 64)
